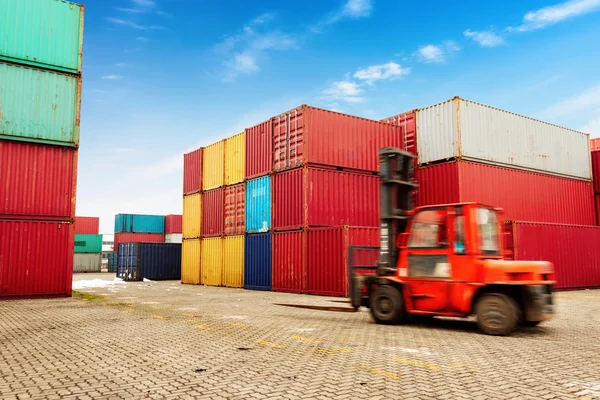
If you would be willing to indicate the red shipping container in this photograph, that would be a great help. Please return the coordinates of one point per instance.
(235, 197)
(37, 181)
(312, 136)
(36, 258)
(173, 223)
(596, 170)
(574, 250)
(594, 144)
(212, 213)
(597, 198)
(289, 266)
(524, 195)
(321, 197)
(327, 257)
(137, 237)
(408, 122)
(259, 142)
(87, 225)
(192, 172)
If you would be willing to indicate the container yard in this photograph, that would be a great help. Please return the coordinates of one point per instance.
(190, 234)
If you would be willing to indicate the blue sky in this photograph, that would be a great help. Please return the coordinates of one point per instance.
(163, 77)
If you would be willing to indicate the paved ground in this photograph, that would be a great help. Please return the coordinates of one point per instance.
(167, 340)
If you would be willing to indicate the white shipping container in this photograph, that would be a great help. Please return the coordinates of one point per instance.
(87, 262)
(473, 131)
(173, 237)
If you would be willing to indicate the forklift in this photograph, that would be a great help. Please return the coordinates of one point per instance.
(445, 260)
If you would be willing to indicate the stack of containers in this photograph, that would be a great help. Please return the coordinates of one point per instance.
(537, 172)
(40, 100)
(192, 217)
(139, 228)
(173, 228)
(88, 247)
(596, 176)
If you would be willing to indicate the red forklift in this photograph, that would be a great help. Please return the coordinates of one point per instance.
(446, 260)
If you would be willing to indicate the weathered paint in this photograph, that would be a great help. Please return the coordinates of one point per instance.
(212, 213)
(259, 142)
(46, 34)
(173, 223)
(596, 170)
(37, 181)
(192, 172)
(36, 258)
(595, 144)
(190, 261)
(87, 262)
(289, 262)
(138, 237)
(212, 261)
(213, 166)
(85, 243)
(233, 261)
(235, 150)
(87, 225)
(39, 106)
(408, 122)
(258, 204)
(233, 209)
(258, 260)
(192, 216)
(139, 223)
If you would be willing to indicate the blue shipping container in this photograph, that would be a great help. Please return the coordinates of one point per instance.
(258, 258)
(258, 205)
(134, 223)
(112, 262)
(154, 261)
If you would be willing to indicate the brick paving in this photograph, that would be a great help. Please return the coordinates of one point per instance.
(164, 340)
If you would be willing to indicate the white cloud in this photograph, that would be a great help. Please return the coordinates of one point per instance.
(144, 3)
(437, 53)
(111, 77)
(551, 15)
(351, 9)
(586, 101)
(484, 38)
(380, 72)
(132, 10)
(592, 127)
(124, 22)
(344, 90)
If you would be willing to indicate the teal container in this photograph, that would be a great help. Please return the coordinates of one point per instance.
(136, 223)
(258, 205)
(85, 243)
(39, 106)
(42, 33)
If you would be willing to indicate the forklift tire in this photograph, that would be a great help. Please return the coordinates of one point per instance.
(387, 306)
(497, 314)
(530, 324)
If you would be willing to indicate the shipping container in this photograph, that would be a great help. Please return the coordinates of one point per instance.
(173, 223)
(597, 199)
(212, 213)
(596, 170)
(112, 261)
(190, 261)
(212, 261)
(45, 34)
(192, 172)
(173, 237)
(233, 209)
(289, 264)
(408, 122)
(36, 258)
(233, 261)
(213, 166)
(154, 261)
(320, 197)
(235, 149)
(460, 128)
(87, 225)
(259, 154)
(595, 144)
(524, 195)
(327, 252)
(38, 182)
(258, 260)
(138, 237)
(85, 243)
(87, 262)
(39, 106)
(258, 204)
(137, 223)
(312, 136)
(572, 249)
(192, 216)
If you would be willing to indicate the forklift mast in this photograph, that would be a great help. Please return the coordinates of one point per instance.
(396, 169)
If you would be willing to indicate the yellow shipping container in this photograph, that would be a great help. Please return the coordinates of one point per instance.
(192, 216)
(190, 261)
(213, 166)
(233, 261)
(212, 261)
(235, 161)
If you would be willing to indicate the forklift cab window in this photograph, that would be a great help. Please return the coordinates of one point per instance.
(429, 230)
(487, 223)
(459, 234)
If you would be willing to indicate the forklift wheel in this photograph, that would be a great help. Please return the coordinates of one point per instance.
(497, 314)
(387, 306)
(530, 324)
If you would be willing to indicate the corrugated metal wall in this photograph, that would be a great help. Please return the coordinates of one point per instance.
(138, 237)
(85, 243)
(234, 209)
(212, 213)
(235, 163)
(259, 150)
(258, 255)
(258, 204)
(190, 261)
(87, 225)
(212, 261)
(87, 262)
(174, 223)
(213, 166)
(139, 223)
(192, 216)
(289, 265)
(596, 170)
(192, 172)
(233, 261)
(160, 261)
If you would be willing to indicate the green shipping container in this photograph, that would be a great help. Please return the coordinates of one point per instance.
(88, 243)
(43, 33)
(39, 106)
